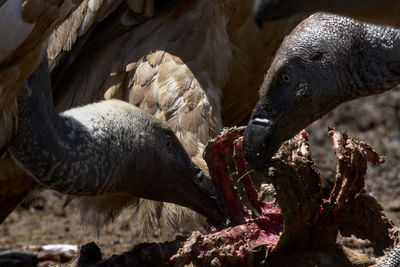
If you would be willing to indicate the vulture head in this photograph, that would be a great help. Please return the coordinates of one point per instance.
(325, 61)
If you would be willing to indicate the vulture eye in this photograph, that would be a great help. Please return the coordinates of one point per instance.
(285, 78)
(168, 142)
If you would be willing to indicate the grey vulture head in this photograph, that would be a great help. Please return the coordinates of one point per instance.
(325, 61)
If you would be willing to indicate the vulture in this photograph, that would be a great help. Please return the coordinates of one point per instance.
(382, 12)
(194, 65)
(385, 12)
(105, 149)
(325, 61)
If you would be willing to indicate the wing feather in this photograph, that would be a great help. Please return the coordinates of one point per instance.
(167, 68)
(78, 24)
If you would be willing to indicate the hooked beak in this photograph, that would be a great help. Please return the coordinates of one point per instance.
(259, 141)
(200, 195)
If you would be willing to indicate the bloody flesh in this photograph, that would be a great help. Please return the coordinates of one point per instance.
(261, 230)
(244, 176)
(215, 156)
(310, 223)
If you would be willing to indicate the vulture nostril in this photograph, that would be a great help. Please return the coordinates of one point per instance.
(261, 122)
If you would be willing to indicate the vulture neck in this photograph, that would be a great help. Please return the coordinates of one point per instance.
(373, 63)
(45, 141)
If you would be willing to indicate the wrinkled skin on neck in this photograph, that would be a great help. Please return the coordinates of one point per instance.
(109, 147)
(325, 61)
(385, 12)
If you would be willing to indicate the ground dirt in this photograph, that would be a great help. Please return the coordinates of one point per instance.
(375, 119)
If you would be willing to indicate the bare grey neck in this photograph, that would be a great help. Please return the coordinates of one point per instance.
(36, 94)
(373, 63)
(54, 149)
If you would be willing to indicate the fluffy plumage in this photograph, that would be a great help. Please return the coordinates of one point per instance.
(196, 66)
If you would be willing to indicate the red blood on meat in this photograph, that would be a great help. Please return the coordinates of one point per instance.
(252, 232)
(244, 176)
(304, 134)
(215, 156)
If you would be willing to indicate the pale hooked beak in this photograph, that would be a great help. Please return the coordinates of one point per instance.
(258, 147)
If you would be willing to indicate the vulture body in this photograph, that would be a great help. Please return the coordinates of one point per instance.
(25, 26)
(196, 66)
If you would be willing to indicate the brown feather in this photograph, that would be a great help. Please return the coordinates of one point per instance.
(196, 67)
(155, 67)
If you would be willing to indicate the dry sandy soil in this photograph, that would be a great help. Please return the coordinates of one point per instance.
(375, 120)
